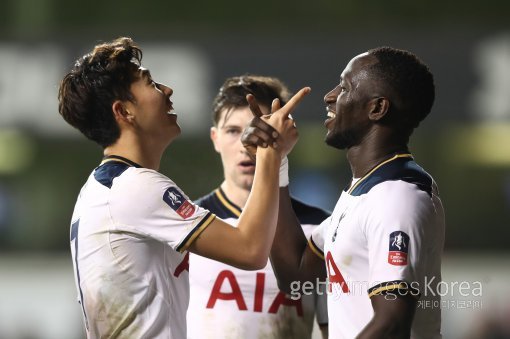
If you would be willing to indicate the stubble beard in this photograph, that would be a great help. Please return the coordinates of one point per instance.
(341, 140)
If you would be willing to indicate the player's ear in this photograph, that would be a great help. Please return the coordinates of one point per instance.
(378, 108)
(121, 113)
(214, 138)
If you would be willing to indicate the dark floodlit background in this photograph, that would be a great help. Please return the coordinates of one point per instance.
(192, 47)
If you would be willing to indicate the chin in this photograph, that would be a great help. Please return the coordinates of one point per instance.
(344, 140)
(173, 134)
(247, 184)
(176, 130)
(336, 141)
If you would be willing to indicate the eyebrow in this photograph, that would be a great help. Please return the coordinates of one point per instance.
(230, 126)
(146, 73)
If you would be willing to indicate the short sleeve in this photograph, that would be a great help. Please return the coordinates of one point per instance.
(316, 240)
(397, 224)
(149, 204)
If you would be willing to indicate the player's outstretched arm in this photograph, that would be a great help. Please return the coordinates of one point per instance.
(291, 257)
(248, 245)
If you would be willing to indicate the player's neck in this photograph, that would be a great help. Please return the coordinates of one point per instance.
(235, 194)
(144, 155)
(365, 157)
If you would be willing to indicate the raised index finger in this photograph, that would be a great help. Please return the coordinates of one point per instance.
(293, 102)
(254, 105)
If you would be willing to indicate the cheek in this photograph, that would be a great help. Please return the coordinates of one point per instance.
(342, 105)
(347, 109)
(232, 140)
(226, 146)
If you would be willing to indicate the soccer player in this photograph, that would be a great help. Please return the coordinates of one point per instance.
(381, 248)
(230, 302)
(132, 226)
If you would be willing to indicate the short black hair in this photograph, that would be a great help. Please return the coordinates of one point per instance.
(232, 93)
(87, 92)
(410, 79)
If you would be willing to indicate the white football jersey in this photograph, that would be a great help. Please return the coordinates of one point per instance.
(227, 302)
(386, 235)
(130, 229)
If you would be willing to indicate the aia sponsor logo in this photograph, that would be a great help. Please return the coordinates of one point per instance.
(226, 288)
(399, 248)
(176, 200)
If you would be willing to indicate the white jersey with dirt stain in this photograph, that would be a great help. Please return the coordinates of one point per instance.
(130, 230)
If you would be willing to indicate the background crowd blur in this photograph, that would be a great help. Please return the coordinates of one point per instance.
(193, 47)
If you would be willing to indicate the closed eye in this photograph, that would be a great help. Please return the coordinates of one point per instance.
(148, 78)
(341, 85)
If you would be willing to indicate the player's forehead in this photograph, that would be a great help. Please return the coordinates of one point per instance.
(238, 116)
(358, 67)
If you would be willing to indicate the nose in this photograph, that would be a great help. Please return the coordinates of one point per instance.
(239, 143)
(331, 96)
(165, 89)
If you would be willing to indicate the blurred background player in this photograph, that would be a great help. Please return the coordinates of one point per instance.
(230, 302)
(382, 246)
(132, 226)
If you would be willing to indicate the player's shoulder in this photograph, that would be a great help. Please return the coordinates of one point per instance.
(401, 173)
(218, 203)
(108, 173)
(399, 191)
(308, 214)
(397, 199)
(128, 181)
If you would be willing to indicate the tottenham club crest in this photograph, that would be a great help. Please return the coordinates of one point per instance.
(399, 248)
(176, 200)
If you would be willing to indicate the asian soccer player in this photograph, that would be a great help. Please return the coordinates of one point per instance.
(132, 226)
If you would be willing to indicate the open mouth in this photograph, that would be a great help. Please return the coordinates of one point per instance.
(247, 163)
(330, 117)
(171, 108)
(247, 166)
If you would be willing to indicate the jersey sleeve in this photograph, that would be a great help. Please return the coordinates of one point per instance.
(398, 228)
(316, 240)
(149, 204)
